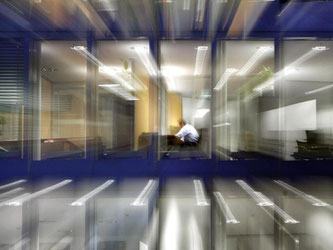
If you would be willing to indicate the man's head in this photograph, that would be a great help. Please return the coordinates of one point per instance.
(181, 123)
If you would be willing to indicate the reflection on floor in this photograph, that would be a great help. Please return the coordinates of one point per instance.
(174, 214)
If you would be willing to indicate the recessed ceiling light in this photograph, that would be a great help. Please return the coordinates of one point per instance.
(320, 48)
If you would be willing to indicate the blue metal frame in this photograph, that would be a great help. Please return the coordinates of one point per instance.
(90, 167)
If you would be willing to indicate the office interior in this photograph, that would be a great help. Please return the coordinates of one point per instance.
(91, 95)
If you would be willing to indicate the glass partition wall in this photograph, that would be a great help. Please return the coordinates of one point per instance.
(127, 99)
(60, 100)
(185, 95)
(260, 98)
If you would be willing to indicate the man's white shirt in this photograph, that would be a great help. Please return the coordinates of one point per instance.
(188, 133)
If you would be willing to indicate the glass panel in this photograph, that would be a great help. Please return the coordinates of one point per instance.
(306, 110)
(62, 107)
(185, 99)
(242, 126)
(127, 99)
(11, 98)
(11, 221)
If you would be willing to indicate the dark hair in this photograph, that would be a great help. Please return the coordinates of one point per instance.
(181, 121)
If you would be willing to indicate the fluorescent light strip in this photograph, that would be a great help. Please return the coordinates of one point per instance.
(263, 201)
(11, 192)
(143, 196)
(12, 184)
(230, 218)
(261, 51)
(83, 199)
(20, 200)
(224, 78)
(119, 91)
(112, 71)
(200, 194)
(84, 52)
(320, 48)
(313, 200)
(201, 113)
(146, 59)
(200, 59)
(260, 199)
(14, 200)
(224, 124)
(319, 90)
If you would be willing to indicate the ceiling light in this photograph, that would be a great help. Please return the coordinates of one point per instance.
(109, 70)
(118, 90)
(200, 59)
(78, 47)
(313, 200)
(261, 51)
(143, 196)
(15, 202)
(169, 73)
(224, 78)
(222, 124)
(230, 218)
(146, 59)
(290, 70)
(319, 90)
(11, 192)
(201, 113)
(320, 48)
(21, 199)
(200, 194)
(85, 198)
(263, 201)
(12, 184)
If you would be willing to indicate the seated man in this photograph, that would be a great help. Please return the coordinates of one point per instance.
(188, 135)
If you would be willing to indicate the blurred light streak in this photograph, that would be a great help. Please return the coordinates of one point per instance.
(62, 243)
(20, 245)
(14, 191)
(195, 236)
(261, 51)
(151, 233)
(200, 59)
(187, 4)
(223, 124)
(147, 60)
(224, 78)
(230, 218)
(99, 26)
(14, 199)
(287, 70)
(119, 91)
(200, 194)
(263, 201)
(15, 17)
(170, 235)
(143, 196)
(143, 246)
(313, 200)
(319, 90)
(257, 196)
(200, 11)
(81, 201)
(200, 113)
(20, 200)
(83, 51)
(111, 71)
(12, 184)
